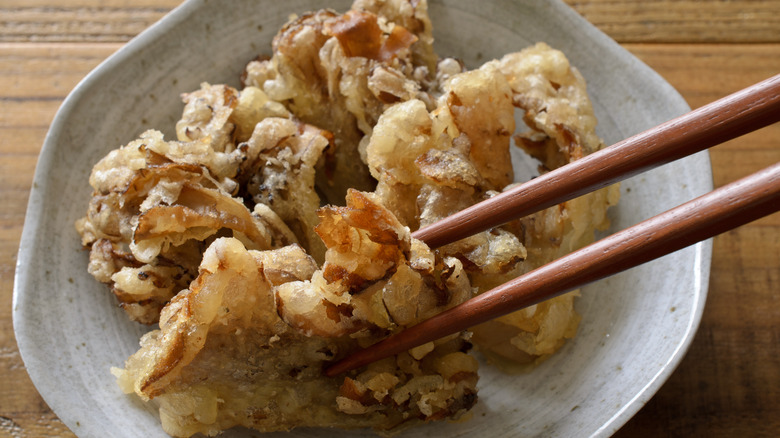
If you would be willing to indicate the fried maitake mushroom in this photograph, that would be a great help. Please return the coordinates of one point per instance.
(157, 204)
(224, 357)
(222, 236)
(341, 71)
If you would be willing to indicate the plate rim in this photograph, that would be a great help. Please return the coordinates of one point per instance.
(30, 237)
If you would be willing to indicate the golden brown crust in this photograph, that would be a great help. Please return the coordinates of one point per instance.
(229, 317)
(221, 236)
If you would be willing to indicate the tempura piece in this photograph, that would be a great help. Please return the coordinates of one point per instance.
(225, 116)
(340, 72)
(223, 357)
(280, 173)
(274, 156)
(221, 235)
(153, 213)
(157, 204)
(375, 276)
(431, 164)
(562, 129)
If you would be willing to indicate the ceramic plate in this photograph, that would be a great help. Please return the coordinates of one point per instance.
(636, 326)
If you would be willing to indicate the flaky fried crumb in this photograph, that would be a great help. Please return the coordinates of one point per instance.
(224, 357)
(221, 234)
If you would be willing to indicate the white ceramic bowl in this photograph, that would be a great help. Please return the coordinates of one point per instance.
(636, 326)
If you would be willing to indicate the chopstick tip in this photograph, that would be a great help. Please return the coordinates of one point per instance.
(348, 363)
(333, 370)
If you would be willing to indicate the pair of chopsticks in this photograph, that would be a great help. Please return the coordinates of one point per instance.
(721, 210)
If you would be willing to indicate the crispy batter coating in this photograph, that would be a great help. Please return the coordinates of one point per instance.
(340, 72)
(225, 116)
(221, 235)
(157, 204)
(374, 275)
(430, 164)
(224, 357)
(562, 125)
(152, 214)
(280, 172)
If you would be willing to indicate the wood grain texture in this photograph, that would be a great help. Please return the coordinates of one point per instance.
(78, 21)
(673, 21)
(728, 384)
(627, 21)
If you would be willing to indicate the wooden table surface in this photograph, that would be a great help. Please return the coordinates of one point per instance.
(728, 385)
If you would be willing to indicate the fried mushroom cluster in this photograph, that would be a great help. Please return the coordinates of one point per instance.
(273, 235)
(224, 356)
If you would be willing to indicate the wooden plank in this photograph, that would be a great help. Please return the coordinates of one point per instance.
(729, 382)
(746, 259)
(22, 140)
(92, 4)
(80, 21)
(720, 70)
(28, 112)
(725, 387)
(47, 70)
(732, 161)
(696, 403)
(627, 21)
(684, 21)
(705, 72)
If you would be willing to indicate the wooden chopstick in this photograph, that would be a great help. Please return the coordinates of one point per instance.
(734, 115)
(726, 208)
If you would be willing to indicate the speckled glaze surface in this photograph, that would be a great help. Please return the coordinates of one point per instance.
(636, 326)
